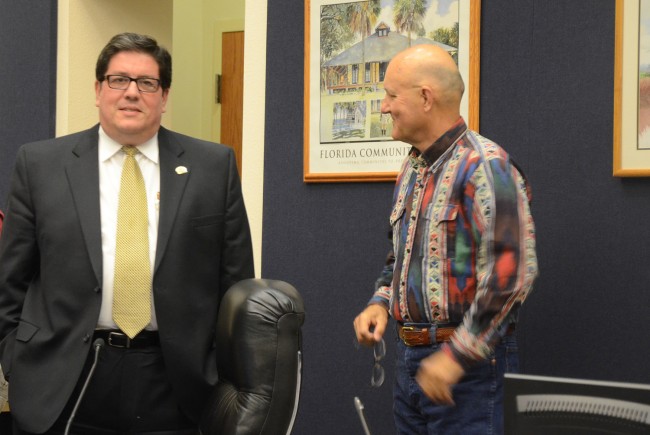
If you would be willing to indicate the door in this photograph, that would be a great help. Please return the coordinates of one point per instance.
(232, 92)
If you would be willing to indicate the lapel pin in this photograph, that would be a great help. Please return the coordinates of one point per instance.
(180, 170)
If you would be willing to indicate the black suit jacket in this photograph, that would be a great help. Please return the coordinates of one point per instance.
(51, 267)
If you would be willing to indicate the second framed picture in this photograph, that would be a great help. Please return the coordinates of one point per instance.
(348, 46)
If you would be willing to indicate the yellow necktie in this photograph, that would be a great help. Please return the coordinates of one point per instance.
(132, 286)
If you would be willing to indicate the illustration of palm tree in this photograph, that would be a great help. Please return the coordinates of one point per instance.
(362, 17)
(408, 15)
(335, 34)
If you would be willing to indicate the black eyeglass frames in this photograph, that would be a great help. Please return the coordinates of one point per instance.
(144, 84)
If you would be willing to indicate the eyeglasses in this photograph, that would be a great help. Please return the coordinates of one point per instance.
(378, 373)
(144, 84)
(379, 352)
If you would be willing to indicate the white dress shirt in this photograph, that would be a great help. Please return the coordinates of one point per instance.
(111, 160)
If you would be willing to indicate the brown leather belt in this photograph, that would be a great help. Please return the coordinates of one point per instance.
(421, 336)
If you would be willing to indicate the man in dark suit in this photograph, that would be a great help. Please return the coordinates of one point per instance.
(62, 259)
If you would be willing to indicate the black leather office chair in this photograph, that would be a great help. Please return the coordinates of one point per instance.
(260, 360)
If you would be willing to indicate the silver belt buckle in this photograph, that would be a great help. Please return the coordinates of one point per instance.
(117, 334)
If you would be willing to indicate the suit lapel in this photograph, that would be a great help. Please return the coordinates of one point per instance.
(83, 177)
(172, 185)
(82, 171)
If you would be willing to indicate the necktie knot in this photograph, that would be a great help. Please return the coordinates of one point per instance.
(130, 150)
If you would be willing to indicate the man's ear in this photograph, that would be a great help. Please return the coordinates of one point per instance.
(98, 88)
(165, 95)
(427, 95)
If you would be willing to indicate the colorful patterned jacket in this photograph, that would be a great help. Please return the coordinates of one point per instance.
(463, 242)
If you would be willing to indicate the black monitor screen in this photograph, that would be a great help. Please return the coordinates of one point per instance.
(539, 405)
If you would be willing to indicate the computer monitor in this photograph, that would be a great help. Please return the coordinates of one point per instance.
(540, 405)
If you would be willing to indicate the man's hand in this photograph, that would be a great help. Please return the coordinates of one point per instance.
(370, 325)
(437, 374)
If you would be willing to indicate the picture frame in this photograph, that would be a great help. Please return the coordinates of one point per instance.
(631, 132)
(348, 45)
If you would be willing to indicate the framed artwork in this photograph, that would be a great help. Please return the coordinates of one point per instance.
(348, 45)
(632, 89)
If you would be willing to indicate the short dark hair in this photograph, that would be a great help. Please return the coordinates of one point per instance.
(138, 43)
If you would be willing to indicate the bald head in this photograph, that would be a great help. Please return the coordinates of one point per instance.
(430, 65)
(423, 93)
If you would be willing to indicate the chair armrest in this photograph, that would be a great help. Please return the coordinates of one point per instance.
(259, 358)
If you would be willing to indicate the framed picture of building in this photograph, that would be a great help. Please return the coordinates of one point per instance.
(632, 89)
(348, 45)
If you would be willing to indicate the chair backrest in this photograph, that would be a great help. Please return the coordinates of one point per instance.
(259, 359)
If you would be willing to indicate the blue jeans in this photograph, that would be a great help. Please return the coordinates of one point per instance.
(478, 396)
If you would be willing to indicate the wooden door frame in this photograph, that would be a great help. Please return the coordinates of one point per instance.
(220, 27)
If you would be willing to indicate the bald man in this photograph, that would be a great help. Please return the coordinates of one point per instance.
(463, 257)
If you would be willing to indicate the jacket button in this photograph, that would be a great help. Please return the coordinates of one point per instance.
(97, 289)
(87, 338)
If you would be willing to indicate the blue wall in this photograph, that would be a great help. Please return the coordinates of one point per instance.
(547, 97)
(27, 78)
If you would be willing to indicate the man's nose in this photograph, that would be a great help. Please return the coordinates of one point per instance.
(384, 106)
(132, 89)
